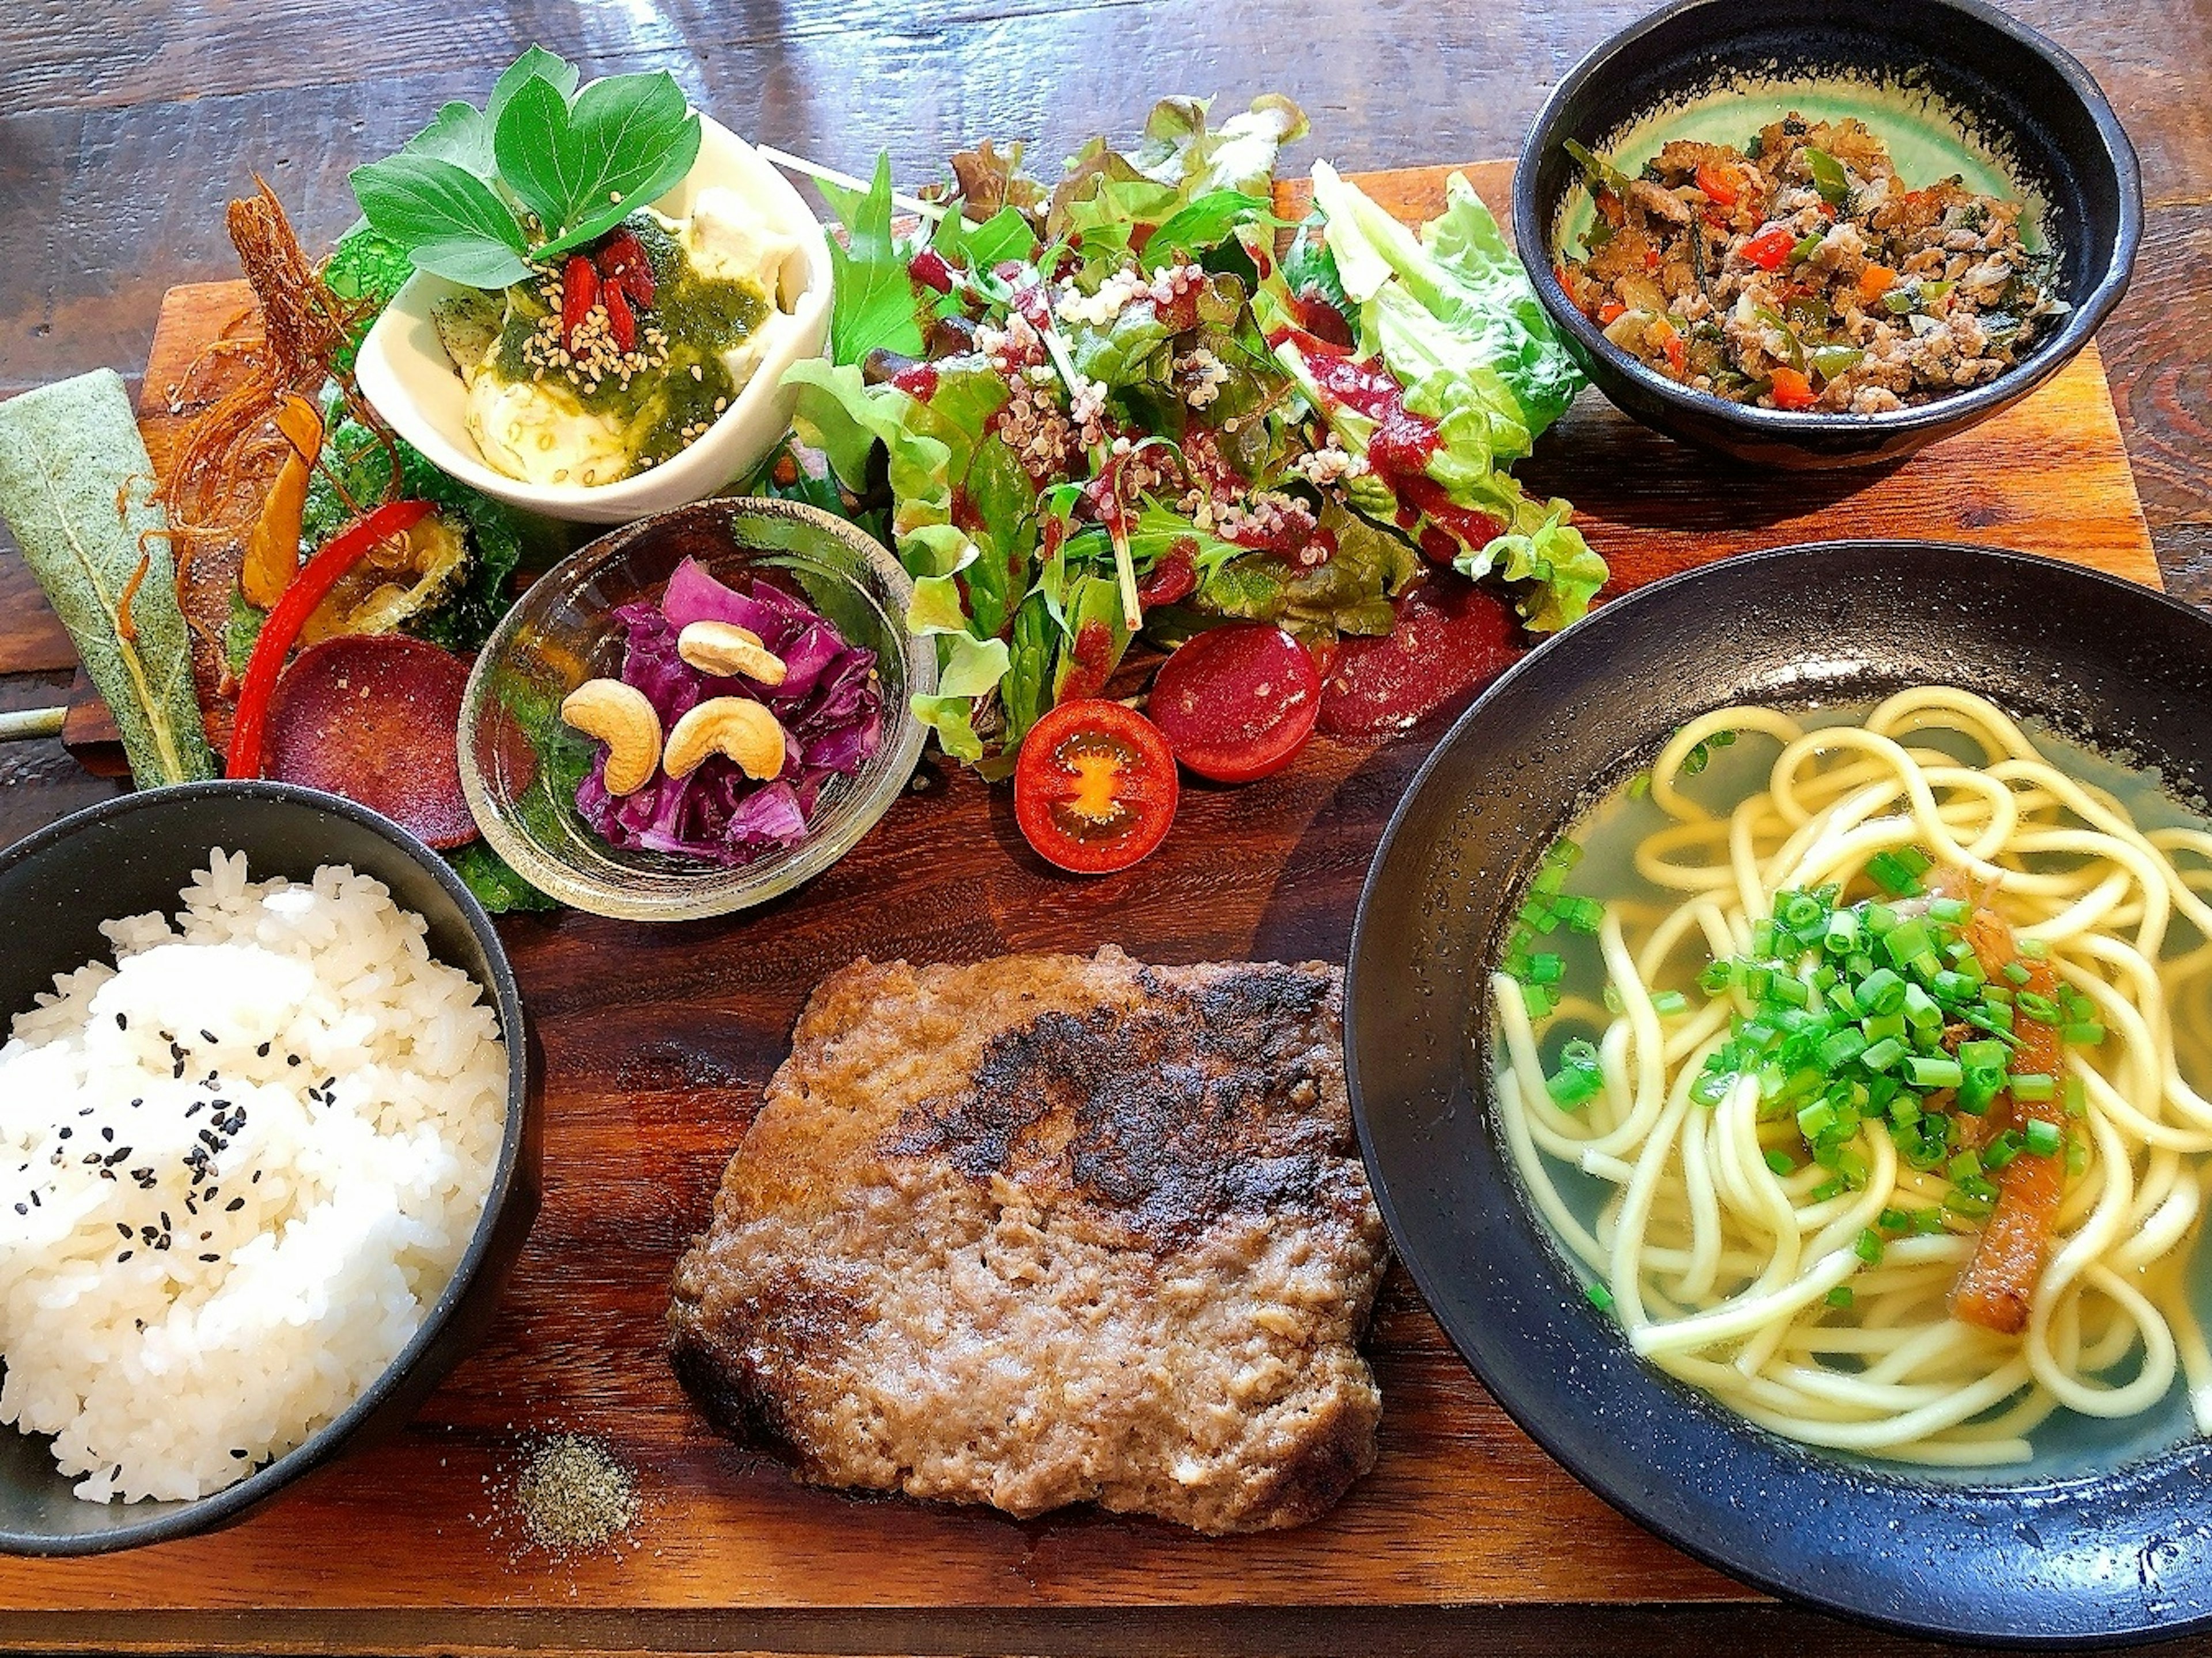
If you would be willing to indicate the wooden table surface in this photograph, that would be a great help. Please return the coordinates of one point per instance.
(126, 125)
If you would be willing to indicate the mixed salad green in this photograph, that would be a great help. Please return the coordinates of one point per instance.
(1109, 407)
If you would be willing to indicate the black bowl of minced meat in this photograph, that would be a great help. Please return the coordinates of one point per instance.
(1809, 236)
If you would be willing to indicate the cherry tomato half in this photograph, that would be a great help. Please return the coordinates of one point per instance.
(1238, 702)
(1094, 788)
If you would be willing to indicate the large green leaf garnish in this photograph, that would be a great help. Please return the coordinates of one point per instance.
(575, 162)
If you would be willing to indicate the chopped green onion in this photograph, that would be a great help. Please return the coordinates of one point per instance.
(2076, 1096)
(1712, 1087)
(1544, 970)
(1881, 991)
(1841, 1296)
(1715, 977)
(1869, 1248)
(2088, 1034)
(1572, 1086)
(1816, 1119)
(1879, 918)
(1889, 872)
(1599, 1296)
(1953, 987)
(1583, 914)
(2041, 1009)
(1950, 910)
(2044, 1139)
(1780, 1162)
(2001, 1151)
(1964, 1166)
(1842, 1047)
(1906, 942)
(1841, 936)
(1927, 1222)
(2077, 1156)
(1538, 1001)
(1924, 1071)
(1669, 1003)
(1921, 1011)
(1563, 852)
(2016, 971)
(1883, 1025)
(1883, 1054)
(2032, 1086)
(2033, 949)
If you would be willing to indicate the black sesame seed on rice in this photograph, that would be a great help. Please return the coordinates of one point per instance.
(233, 1205)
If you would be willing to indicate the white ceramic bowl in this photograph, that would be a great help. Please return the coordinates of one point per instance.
(406, 374)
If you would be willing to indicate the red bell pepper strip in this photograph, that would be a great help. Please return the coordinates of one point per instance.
(1768, 249)
(282, 630)
(1720, 182)
(1790, 389)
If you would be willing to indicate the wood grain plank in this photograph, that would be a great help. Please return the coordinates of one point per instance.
(658, 1041)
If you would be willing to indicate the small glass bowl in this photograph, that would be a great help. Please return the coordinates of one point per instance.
(513, 744)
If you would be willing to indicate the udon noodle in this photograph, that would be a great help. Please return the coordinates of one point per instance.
(1809, 1281)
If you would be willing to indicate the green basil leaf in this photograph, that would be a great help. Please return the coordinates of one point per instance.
(540, 158)
(535, 65)
(458, 133)
(446, 218)
(635, 138)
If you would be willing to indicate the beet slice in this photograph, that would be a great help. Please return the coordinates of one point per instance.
(376, 717)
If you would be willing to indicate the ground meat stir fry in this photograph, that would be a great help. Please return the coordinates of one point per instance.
(1800, 273)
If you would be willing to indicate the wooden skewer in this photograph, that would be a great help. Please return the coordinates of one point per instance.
(831, 175)
(22, 724)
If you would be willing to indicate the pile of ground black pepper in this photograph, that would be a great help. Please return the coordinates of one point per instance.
(574, 1495)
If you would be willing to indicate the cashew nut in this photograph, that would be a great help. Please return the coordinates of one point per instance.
(621, 717)
(735, 725)
(723, 648)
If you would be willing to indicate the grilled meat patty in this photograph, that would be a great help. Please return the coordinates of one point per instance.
(1050, 1229)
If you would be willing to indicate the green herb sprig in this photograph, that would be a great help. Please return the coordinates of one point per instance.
(480, 196)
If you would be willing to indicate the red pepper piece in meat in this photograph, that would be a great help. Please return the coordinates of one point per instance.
(1770, 248)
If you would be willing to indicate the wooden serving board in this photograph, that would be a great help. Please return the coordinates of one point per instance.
(658, 1040)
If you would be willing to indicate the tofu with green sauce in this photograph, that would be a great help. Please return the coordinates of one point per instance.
(624, 357)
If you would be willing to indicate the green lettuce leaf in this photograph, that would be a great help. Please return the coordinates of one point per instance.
(1351, 593)
(1178, 147)
(1546, 557)
(874, 301)
(1454, 298)
(1478, 432)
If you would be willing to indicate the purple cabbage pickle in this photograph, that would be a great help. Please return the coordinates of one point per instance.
(830, 706)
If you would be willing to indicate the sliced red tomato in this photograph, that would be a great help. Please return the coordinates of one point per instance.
(1094, 788)
(1238, 702)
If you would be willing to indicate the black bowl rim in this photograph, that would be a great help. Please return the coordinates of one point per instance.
(1752, 1569)
(1940, 414)
(202, 1514)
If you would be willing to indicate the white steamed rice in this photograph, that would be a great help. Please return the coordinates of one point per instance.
(208, 1250)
